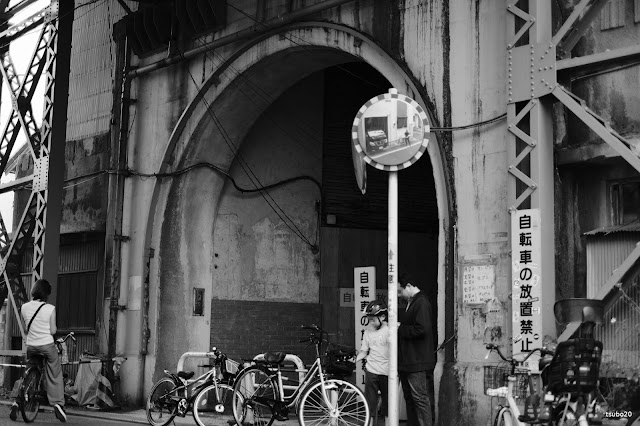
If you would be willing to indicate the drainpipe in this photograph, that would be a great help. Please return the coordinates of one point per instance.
(114, 239)
(253, 31)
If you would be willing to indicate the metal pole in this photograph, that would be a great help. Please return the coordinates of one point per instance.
(393, 298)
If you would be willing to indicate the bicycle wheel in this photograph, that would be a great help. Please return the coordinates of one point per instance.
(213, 405)
(29, 398)
(504, 417)
(161, 409)
(254, 396)
(348, 405)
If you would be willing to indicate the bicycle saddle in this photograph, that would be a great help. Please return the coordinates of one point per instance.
(185, 374)
(274, 357)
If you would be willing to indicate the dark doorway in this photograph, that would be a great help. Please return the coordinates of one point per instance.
(358, 237)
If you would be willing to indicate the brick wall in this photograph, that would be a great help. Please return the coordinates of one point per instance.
(243, 329)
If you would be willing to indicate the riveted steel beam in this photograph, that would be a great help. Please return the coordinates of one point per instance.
(599, 62)
(533, 67)
(574, 27)
(51, 58)
(598, 125)
(531, 72)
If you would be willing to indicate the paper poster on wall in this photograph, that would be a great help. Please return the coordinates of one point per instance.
(478, 283)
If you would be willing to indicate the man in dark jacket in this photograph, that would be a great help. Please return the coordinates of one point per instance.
(416, 357)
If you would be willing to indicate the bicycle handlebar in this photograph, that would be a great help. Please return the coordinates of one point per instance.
(543, 351)
(63, 339)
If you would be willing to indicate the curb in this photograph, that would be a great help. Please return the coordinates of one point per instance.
(99, 415)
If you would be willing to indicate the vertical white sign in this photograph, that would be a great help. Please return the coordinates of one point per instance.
(526, 289)
(364, 288)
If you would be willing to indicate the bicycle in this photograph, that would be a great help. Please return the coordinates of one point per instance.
(208, 396)
(567, 387)
(31, 389)
(258, 394)
(518, 386)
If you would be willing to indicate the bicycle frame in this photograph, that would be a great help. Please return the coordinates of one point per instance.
(314, 371)
(192, 385)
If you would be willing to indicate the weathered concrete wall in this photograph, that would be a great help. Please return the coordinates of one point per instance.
(258, 255)
(478, 46)
(448, 55)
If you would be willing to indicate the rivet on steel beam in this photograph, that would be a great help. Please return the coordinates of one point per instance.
(508, 46)
(510, 99)
(533, 186)
(539, 69)
(510, 125)
(533, 20)
(510, 167)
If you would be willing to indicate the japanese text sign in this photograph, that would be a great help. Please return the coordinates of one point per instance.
(364, 284)
(526, 288)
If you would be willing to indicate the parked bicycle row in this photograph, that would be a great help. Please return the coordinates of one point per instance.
(259, 393)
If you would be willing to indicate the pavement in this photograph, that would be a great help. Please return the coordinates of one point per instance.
(135, 416)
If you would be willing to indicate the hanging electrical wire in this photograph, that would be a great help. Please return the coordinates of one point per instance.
(249, 172)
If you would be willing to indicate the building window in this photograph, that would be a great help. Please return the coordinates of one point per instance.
(612, 15)
(625, 202)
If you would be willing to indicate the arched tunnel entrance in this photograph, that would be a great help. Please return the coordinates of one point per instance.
(271, 229)
(290, 253)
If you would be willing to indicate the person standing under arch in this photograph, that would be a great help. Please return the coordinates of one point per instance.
(416, 357)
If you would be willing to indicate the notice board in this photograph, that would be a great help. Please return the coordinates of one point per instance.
(478, 283)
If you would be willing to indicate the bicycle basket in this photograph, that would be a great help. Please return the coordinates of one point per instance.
(337, 361)
(496, 376)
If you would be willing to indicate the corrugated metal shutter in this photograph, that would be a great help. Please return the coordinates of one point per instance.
(80, 266)
(612, 15)
(347, 88)
(619, 333)
(604, 254)
(92, 65)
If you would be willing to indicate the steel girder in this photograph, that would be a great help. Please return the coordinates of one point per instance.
(45, 183)
(534, 58)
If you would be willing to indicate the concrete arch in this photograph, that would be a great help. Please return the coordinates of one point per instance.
(279, 61)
